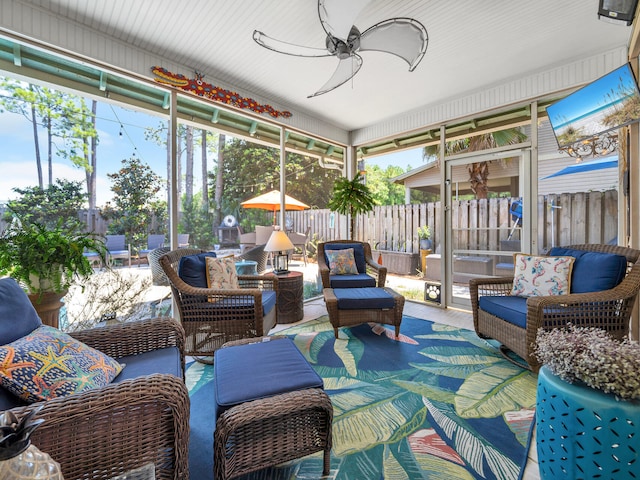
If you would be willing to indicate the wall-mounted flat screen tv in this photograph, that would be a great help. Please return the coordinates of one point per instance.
(604, 104)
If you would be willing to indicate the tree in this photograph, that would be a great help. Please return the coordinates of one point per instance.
(61, 115)
(250, 169)
(352, 197)
(379, 182)
(61, 200)
(479, 171)
(135, 187)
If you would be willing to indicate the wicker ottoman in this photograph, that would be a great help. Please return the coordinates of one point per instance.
(270, 407)
(352, 306)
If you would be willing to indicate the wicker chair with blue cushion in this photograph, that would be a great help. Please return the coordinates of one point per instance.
(604, 284)
(366, 272)
(214, 316)
(96, 425)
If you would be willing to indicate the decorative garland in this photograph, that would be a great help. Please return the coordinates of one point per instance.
(204, 89)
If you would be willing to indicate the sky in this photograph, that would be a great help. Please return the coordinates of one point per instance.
(121, 136)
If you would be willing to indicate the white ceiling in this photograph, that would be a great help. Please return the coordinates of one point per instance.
(472, 45)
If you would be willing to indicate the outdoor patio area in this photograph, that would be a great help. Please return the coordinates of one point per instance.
(314, 308)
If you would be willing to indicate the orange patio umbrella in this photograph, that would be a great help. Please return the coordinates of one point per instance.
(271, 201)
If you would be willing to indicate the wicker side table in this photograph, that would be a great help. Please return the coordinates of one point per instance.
(290, 302)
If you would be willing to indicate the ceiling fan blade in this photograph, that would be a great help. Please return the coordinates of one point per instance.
(338, 16)
(405, 37)
(347, 68)
(288, 48)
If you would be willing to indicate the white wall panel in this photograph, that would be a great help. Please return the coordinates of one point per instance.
(36, 24)
(535, 85)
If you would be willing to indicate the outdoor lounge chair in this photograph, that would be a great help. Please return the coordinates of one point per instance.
(514, 321)
(153, 241)
(117, 248)
(140, 418)
(210, 316)
(370, 273)
(257, 254)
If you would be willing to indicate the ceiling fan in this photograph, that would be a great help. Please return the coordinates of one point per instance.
(405, 37)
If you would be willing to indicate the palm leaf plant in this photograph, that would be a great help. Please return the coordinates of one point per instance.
(478, 171)
(351, 197)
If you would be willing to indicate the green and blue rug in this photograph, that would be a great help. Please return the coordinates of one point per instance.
(437, 403)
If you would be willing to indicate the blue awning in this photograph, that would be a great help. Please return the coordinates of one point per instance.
(602, 163)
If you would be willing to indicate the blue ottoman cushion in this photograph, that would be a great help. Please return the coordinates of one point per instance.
(244, 373)
(363, 298)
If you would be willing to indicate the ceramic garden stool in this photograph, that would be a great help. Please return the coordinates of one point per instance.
(270, 407)
(348, 307)
(584, 433)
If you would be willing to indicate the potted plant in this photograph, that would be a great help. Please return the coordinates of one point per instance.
(351, 197)
(424, 234)
(588, 404)
(46, 260)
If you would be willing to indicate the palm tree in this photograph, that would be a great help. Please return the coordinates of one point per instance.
(351, 197)
(479, 171)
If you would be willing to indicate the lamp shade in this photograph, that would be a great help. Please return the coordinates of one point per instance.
(278, 242)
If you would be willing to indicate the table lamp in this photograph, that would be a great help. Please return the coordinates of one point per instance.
(279, 243)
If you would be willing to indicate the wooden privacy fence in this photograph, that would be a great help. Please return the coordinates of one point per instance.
(563, 219)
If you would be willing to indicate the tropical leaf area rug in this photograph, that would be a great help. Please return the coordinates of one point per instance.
(436, 403)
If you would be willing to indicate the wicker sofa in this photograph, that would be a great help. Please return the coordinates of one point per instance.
(140, 418)
(514, 321)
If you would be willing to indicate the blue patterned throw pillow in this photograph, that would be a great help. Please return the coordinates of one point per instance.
(48, 363)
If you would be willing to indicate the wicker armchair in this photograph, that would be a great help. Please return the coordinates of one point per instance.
(608, 309)
(374, 269)
(212, 317)
(258, 254)
(106, 432)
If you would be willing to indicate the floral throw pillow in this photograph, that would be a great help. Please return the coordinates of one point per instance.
(539, 276)
(221, 273)
(48, 363)
(342, 262)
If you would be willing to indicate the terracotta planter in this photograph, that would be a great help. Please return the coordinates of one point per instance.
(584, 433)
(48, 306)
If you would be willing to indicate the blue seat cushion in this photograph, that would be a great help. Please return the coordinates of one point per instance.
(352, 281)
(594, 271)
(510, 308)
(259, 370)
(192, 269)
(244, 307)
(363, 298)
(358, 253)
(17, 315)
(163, 360)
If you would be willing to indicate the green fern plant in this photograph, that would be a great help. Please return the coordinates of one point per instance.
(46, 259)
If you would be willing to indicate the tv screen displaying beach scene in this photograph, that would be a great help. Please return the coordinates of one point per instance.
(604, 104)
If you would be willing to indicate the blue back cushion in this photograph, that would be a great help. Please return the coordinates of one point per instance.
(593, 271)
(193, 269)
(358, 253)
(17, 315)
